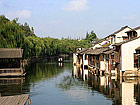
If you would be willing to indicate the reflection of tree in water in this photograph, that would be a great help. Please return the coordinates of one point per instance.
(39, 71)
(69, 82)
(11, 86)
(66, 83)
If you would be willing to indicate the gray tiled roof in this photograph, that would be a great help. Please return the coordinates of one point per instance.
(138, 48)
(11, 53)
(134, 29)
(96, 51)
(109, 51)
(121, 30)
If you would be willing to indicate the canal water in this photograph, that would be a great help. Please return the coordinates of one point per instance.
(53, 83)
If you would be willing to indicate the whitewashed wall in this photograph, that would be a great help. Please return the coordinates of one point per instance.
(85, 62)
(102, 65)
(127, 54)
(96, 46)
(119, 35)
(138, 31)
(100, 44)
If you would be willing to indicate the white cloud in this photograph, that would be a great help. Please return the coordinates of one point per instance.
(23, 14)
(77, 5)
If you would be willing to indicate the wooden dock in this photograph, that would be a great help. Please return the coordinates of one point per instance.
(15, 100)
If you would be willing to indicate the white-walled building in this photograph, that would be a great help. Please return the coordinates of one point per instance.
(116, 37)
(125, 56)
(121, 34)
(116, 53)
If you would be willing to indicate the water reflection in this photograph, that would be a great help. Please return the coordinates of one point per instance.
(36, 73)
(79, 73)
(39, 71)
(122, 91)
(60, 64)
(49, 81)
(11, 86)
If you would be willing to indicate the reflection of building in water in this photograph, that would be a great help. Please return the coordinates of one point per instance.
(102, 81)
(76, 71)
(7, 81)
(60, 64)
(11, 86)
(128, 94)
(80, 73)
(123, 91)
(85, 75)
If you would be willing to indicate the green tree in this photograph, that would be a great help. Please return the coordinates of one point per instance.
(27, 30)
(15, 35)
(91, 36)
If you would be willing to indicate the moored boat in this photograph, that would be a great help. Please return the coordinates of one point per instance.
(60, 59)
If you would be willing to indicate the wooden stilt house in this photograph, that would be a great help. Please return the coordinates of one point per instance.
(11, 62)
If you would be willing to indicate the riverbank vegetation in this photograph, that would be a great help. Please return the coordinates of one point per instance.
(16, 35)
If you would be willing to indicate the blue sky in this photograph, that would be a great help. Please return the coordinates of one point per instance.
(73, 18)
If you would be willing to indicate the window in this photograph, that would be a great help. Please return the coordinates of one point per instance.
(85, 57)
(125, 38)
(111, 40)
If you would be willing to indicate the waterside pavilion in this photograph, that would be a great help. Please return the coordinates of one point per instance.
(11, 62)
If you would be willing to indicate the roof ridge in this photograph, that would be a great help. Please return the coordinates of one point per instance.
(121, 29)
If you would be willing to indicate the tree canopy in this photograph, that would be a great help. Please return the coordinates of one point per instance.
(91, 36)
(16, 35)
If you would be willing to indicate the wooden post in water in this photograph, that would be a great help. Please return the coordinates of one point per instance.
(29, 101)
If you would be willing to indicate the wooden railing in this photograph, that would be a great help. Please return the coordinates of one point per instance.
(12, 72)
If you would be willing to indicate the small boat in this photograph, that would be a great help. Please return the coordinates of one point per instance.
(60, 59)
